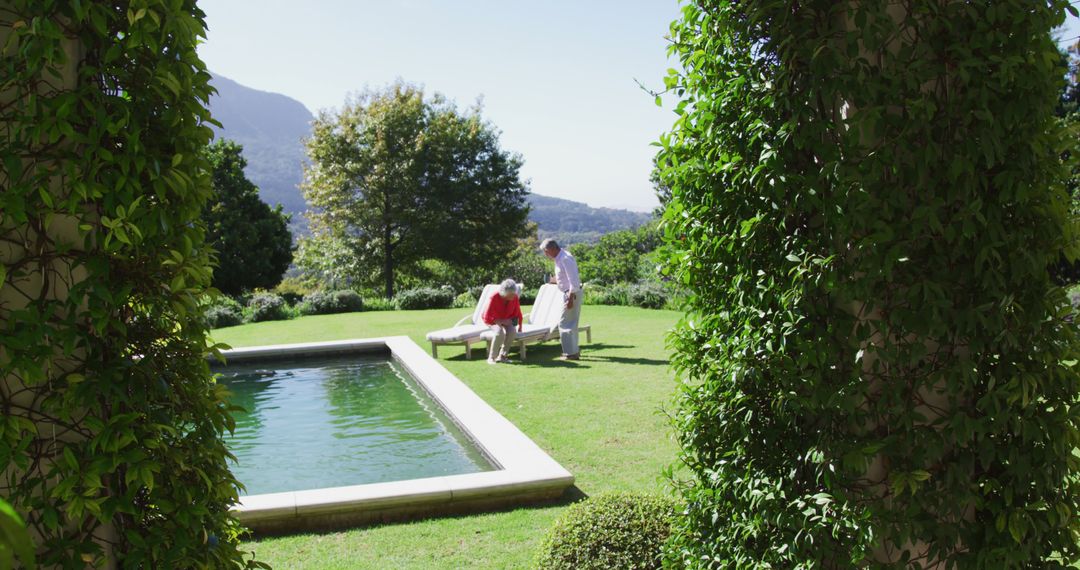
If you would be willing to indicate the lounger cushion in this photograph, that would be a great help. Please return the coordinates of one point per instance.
(457, 334)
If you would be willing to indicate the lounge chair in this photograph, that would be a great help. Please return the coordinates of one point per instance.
(542, 323)
(468, 330)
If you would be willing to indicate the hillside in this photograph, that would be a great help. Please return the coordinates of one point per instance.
(571, 222)
(271, 126)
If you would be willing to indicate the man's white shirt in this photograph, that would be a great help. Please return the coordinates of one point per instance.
(566, 272)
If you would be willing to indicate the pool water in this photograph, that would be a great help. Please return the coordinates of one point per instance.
(331, 422)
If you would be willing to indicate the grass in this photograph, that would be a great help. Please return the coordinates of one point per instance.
(600, 418)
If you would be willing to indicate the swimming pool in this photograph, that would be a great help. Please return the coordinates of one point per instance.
(371, 430)
(344, 420)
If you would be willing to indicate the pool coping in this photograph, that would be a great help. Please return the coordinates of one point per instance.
(524, 472)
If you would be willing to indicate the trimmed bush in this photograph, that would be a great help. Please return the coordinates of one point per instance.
(465, 301)
(331, 302)
(647, 296)
(425, 298)
(266, 307)
(625, 531)
(379, 304)
(224, 312)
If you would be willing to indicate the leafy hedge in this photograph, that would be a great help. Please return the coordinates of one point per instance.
(330, 302)
(875, 372)
(224, 312)
(266, 307)
(425, 298)
(646, 295)
(624, 530)
(112, 424)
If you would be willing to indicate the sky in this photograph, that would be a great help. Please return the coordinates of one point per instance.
(557, 77)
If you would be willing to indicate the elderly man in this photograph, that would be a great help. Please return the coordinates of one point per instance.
(566, 277)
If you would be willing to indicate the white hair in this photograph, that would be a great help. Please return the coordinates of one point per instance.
(508, 286)
(549, 244)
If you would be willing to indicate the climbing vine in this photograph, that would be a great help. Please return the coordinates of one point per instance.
(876, 370)
(111, 426)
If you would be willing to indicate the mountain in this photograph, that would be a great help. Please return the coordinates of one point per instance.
(572, 222)
(271, 126)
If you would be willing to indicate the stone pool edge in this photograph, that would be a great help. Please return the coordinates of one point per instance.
(524, 473)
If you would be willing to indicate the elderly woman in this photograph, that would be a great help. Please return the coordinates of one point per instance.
(501, 311)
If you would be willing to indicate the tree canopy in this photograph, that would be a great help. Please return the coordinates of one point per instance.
(397, 178)
(252, 240)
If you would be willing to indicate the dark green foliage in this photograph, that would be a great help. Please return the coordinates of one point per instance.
(224, 312)
(330, 302)
(618, 257)
(266, 307)
(398, 179)
(111, 431)
(425, 298)
(252, 240)
(876, 370)
(622, 530)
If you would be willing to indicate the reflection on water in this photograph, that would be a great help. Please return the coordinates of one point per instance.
(343, 421)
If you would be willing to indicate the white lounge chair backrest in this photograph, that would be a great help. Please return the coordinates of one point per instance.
(482, 303)
(547, 309)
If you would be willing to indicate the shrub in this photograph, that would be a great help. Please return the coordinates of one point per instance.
(330, 302)
(425, 298)
(647, 295)
(294, 289)
(224, 312)
(475, 291)
(377, 303)
(465, 301)
(624, 531)
(617, 294)
(266, 307)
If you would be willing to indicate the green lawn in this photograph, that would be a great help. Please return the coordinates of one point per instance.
(600, 418)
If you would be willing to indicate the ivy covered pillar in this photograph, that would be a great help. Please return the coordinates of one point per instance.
(111, 425)
(876, 369)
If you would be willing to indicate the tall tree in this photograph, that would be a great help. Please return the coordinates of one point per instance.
(877, 371)
(252, 240)
(397, 178)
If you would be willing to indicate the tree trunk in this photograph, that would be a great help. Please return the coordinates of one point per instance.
(388, 262)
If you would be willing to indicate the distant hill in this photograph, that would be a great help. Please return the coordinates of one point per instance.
(271, 126)
(572, 222)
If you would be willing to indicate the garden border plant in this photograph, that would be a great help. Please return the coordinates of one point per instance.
(111, 433)
(876, 371)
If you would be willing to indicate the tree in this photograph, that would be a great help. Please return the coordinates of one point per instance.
(618, 257)
(252, 240)
(876, 371)
(397, 178)
(111, 435)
